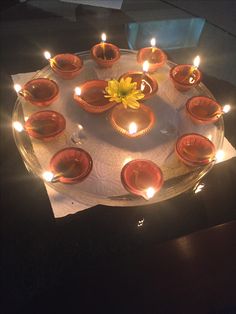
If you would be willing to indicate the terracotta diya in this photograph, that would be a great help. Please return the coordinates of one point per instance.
(145, 83)
(132, 122)
(67, 65)
(155, 56)
(105, 54)
(71, 165)
(185, 77)
(45, 125)
(195, 149)
(142, 177)
(41, 92)
(203, 109)
(90, 96)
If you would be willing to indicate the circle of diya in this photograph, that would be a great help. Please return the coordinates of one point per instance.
(71, 165)
(185, 77)
(66, 65)
(155, 56)
(45, 125)
(92, 97)
(132, 122)
(195, 149)
(203, 109)
(105, 54)
(41, 92)
(145, 83)
(139, 175)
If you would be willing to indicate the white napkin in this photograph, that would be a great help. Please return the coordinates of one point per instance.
(63, 205)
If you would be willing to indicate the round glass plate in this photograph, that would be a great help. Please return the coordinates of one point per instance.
(109, 150)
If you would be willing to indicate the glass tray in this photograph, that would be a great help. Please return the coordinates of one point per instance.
(109, 150)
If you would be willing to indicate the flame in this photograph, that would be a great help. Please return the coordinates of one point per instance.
(78, 91)
(226, 108)
(153, 42)
(145, 66)
(150, 192)
(133, 128)
(196, 61)
(47, 55)
(18, 126)
(17, 88)
(104, 37)
(48, 176)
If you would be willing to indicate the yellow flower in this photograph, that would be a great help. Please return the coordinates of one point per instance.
(125, 92)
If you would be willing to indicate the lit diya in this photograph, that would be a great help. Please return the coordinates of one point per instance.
(71, 165)
(41, 92)
(195, 149)
(186, 76)
(145, 82)
(129, 117)
(155, 56)
(132, 122)
(204, 109)
(90, 96)
(142, 177)
(45, 125)
(65, 65)
(105, 54)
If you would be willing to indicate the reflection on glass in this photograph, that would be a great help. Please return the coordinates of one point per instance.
(171, 34)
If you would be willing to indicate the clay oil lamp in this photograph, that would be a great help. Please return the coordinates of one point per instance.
(142, 177)
(195, 150)
(147, 84)
(66, 65)
(69, 165)
(204, 110)
(40, 92)
(105, 54)
(129, 117)
(90, 96)
(186, 76)
(45, 125)
(155, 56)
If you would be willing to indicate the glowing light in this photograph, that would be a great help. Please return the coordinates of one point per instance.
(226, 108)
(78, 91)
(153, 42)
(191, 80)
(26, 118)
(145, 66)
(47, 55)
(150, 192)
(133, 128)
(199, 188)
(48, 176)
(209, 137)
(103, 37)
(17, 126)
(196, 61)
(128, 159)
(140, 223)
(17, 88)
(219, 155)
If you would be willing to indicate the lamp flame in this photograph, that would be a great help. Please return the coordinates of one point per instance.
(226, 108)
(150, 192)
(17, 126)
(133, 128)
(17, 88)
(78, 91)
(103, 37)
(48, 176)
(47, 55)
(145, 66)
(219, 155)
(196, 61)
(153, 42)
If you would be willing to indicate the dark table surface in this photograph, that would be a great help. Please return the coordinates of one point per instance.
(110, 259)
